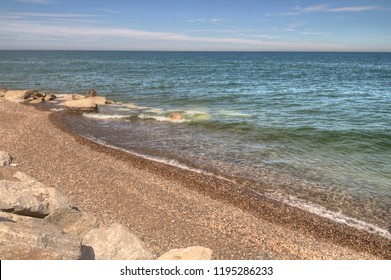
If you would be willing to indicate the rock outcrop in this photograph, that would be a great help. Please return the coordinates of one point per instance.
(29, 95)
(39, 223)
(91, 93)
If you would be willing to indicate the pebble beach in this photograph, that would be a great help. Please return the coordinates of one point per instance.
(169, 207)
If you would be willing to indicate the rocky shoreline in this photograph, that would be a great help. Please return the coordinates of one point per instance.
(39, 223)
(164, 206)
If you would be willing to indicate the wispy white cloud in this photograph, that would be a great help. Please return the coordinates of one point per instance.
(206, 20)
(355, 9)
(325, 8)
(110, 11)
(41, 33)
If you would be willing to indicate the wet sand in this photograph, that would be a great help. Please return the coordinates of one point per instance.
(168, 207)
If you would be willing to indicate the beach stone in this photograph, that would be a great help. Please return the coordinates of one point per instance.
(16, 95)
(73, 221)
(115, 243)
(35, 239)
(190, 253)
(91, 93)
(85, 105)
(5, 158)
(29, 197)
(174, 116)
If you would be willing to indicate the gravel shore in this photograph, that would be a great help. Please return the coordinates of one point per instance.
(168, 207)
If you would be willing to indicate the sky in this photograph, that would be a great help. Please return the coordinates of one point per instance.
(197, 25)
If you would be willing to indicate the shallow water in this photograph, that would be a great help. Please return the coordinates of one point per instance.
(308, 127)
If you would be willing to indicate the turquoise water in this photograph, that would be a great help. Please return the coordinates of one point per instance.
(308, 128)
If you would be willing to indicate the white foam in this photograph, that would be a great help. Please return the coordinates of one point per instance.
(160, 118)
(288, 200)
(323, 212)
(103, 116)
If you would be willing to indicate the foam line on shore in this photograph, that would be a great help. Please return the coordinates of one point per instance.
(290, 200)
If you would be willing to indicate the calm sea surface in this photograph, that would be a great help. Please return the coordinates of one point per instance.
(310, 129)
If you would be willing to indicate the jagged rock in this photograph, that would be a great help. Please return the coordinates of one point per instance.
(5, 158)
(34, 236)
(115, 243)
(49, 97)
(35, 94)
(190, 253)
(16, 95)
(30, 197)
(91, 93)
(99, 100)
(81, 106)
(73, 221)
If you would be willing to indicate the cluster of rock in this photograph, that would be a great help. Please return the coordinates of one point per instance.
(31, 96)
(38, 222)
(86, 104)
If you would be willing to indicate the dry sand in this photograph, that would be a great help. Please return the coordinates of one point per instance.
(168, 207)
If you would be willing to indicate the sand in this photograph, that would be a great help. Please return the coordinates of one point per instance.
(168, 207)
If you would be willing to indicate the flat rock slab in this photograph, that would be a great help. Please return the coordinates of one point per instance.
(85, 105)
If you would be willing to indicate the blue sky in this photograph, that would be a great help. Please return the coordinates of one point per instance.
(198, 25)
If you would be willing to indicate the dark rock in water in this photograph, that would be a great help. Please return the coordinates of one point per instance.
(389, 229)
(91, 93)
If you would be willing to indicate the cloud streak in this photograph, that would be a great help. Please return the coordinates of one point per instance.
(110, 37)
(325, 8)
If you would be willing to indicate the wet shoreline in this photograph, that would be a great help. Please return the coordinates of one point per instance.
(248, 200)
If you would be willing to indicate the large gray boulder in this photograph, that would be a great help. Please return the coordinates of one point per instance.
(5, 158)
(30, 197)
(190, 253)
(86, 105)
(73, 221)
(35, 238)
(115, 243)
